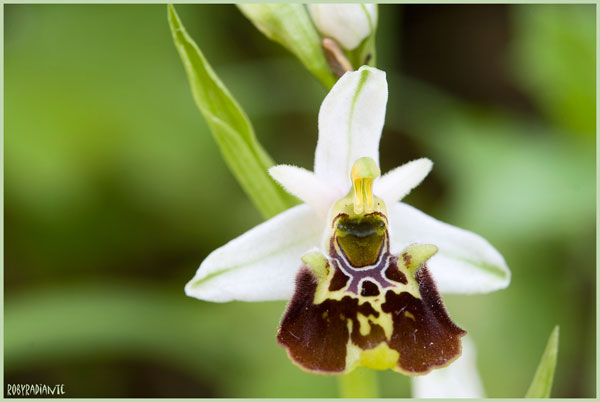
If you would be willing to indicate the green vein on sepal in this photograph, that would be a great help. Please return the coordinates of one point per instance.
(229, 125)
(496, 271)
(542, 380)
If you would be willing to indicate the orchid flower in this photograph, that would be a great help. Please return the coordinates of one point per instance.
(359, 266)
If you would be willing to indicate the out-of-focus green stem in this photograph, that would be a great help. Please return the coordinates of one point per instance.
(359, 383)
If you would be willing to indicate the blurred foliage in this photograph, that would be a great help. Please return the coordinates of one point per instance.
(115, 191)
(555, 58)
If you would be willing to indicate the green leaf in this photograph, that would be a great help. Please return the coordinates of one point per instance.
(230, 126)
(291, 26)
(542, 380)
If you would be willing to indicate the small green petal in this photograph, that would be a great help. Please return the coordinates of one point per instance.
(415, 256)
(317, 264)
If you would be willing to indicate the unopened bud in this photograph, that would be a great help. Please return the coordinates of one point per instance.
(348, 24)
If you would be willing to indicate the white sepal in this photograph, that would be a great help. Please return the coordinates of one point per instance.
(466, 263)
(350, 122)
(261, 264)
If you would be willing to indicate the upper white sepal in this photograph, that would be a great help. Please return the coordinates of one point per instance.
(350, 123)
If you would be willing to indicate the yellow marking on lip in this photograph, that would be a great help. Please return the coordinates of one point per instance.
(410, 315)
(381, 357)
(364, 325)
(324, 272)
(384, 320)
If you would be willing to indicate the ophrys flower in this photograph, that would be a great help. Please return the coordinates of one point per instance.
(362, 305)
(262, 263)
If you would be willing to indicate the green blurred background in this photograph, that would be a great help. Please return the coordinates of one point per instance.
(112, 180)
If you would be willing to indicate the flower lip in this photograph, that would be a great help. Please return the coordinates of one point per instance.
(367, 317)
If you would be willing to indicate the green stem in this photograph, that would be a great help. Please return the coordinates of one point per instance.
(359, 383)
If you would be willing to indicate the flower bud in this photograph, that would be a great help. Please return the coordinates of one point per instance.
(348, 24)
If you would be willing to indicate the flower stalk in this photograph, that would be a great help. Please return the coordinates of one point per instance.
(360, 383)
